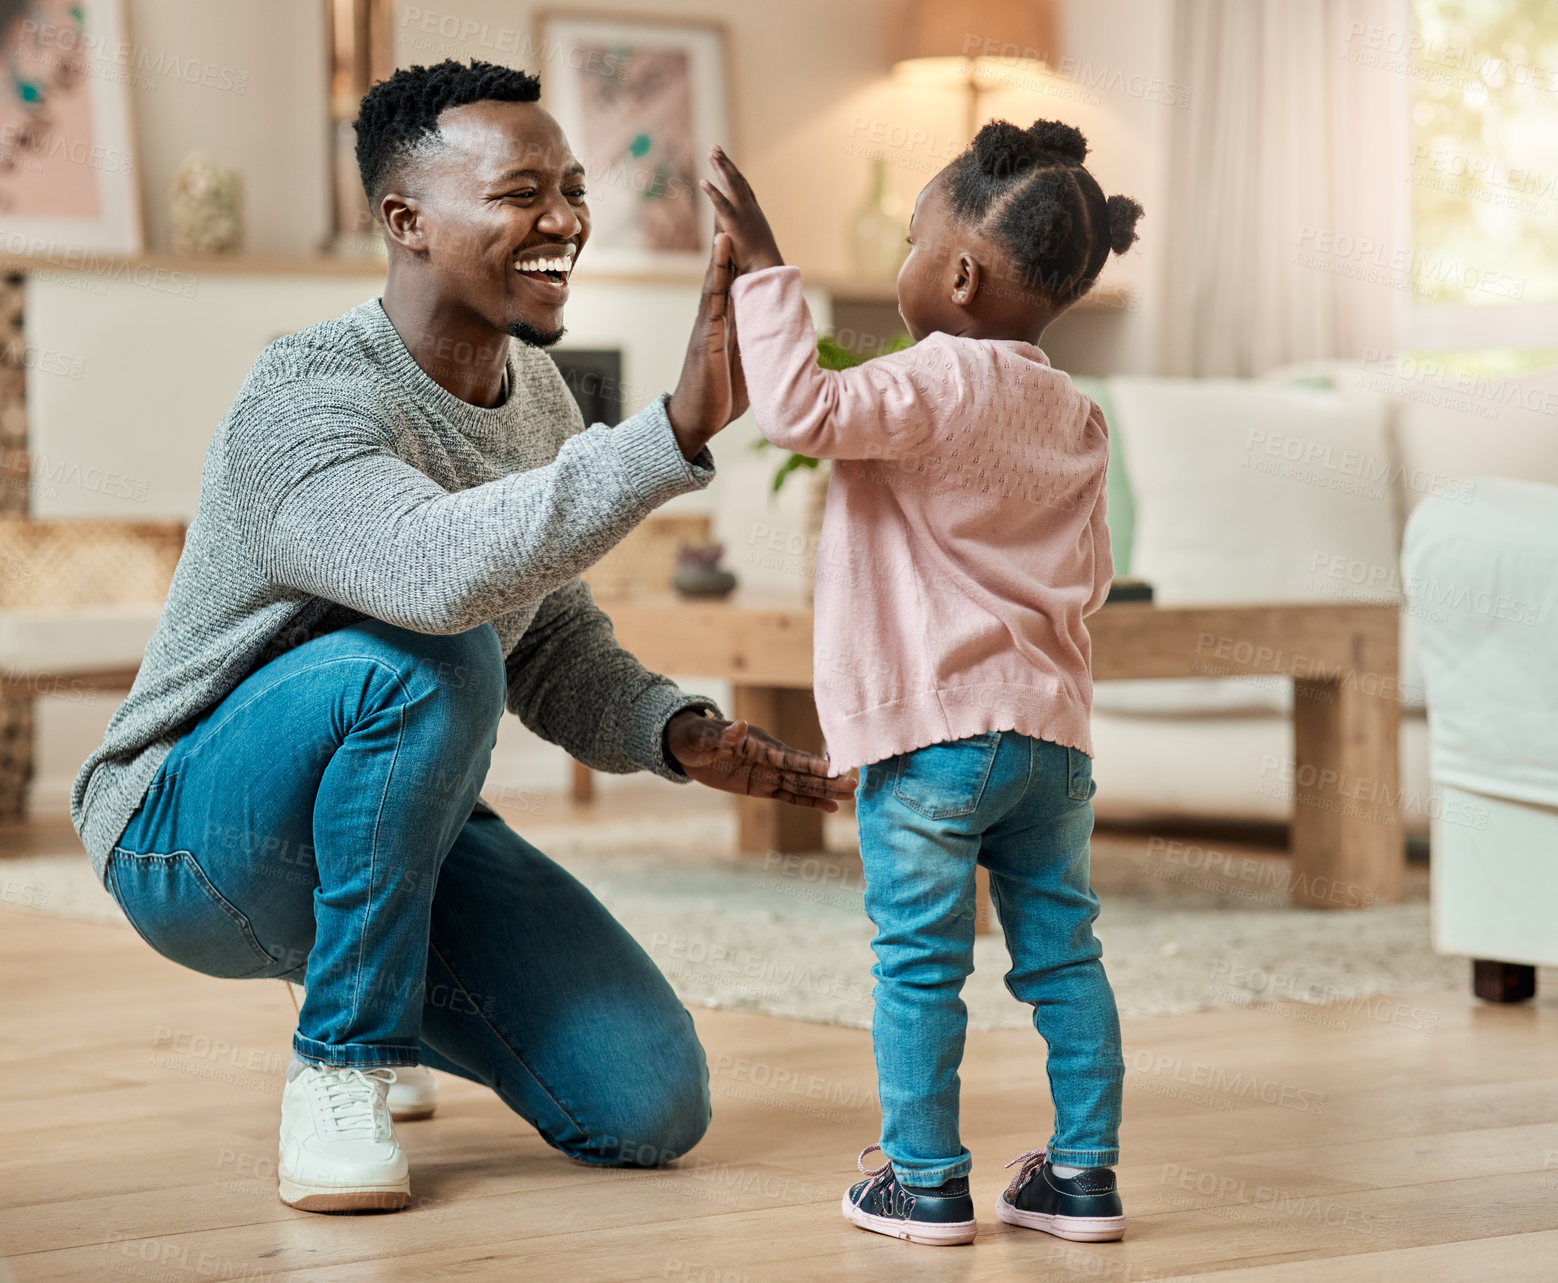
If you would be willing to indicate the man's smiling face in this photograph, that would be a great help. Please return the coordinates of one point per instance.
(502, 208)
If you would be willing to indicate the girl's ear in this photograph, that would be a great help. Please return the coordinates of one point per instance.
(967, 277)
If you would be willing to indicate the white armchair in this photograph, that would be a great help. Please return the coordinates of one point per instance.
(1481, 577)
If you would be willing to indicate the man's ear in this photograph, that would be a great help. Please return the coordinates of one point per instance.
(402, 217)
(967, 276)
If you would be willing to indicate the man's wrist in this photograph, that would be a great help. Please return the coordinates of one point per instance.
(690, 437)
(700, 713)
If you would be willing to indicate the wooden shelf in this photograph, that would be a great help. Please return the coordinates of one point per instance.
(96, 263)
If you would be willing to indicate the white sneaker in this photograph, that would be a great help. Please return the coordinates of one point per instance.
(413, 1094)
(338, 1147)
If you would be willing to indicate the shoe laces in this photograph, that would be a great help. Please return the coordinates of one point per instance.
(1031, 1162)
(879, 1176)
(350, 1101)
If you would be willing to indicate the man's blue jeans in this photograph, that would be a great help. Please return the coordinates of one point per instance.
(315, 825)
(1021, 807)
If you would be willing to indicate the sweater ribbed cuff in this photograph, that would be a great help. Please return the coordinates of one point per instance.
(644, 726)
(651, 459)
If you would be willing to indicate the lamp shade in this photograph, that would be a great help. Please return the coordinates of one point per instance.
(1009, 30)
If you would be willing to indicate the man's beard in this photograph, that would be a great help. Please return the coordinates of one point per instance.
(534, 337)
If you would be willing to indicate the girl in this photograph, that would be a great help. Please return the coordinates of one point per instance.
(962, 545)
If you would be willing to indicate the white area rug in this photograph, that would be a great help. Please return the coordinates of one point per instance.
(788, 935)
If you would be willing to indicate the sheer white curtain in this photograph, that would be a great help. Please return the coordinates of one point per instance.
(1285, 183)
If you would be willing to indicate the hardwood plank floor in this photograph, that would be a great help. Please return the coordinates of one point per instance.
(1414, 1138)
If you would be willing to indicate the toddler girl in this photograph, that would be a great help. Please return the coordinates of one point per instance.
(962, 546)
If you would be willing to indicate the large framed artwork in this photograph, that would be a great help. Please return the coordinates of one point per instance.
(68, 178)
(641, 102)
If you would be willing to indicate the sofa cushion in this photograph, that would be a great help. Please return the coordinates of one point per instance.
(1252, 492)
(1249, 492)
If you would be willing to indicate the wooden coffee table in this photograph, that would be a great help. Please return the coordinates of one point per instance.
(1347, 845)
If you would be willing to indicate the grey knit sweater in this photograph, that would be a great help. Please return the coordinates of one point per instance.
(345, 483)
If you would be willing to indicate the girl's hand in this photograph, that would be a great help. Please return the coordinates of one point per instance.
(737, 213)
(738, 758)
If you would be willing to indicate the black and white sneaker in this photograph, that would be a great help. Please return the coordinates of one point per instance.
(1085, 1207)
(940, 1216)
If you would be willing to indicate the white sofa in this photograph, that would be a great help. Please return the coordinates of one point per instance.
(1483, 581)
(1294, 487)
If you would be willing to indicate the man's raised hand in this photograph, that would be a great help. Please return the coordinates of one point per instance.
(705, 399)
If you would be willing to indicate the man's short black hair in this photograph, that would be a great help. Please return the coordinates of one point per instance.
(398, 117)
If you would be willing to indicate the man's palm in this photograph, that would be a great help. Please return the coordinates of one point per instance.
(738, 758)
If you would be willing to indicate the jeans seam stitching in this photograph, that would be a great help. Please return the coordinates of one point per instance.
(373, 857)
(234, 914)
(512, 1051)
(957, 812)
(233, 712)
(219, 901)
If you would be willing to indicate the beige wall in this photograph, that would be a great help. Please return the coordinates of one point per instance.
(193, 57)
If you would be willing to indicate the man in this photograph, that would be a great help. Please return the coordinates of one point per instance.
(393, 517)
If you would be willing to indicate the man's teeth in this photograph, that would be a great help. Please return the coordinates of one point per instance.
(545, 265)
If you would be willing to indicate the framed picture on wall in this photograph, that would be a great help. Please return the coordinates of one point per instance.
(641, 102)
(68, 178)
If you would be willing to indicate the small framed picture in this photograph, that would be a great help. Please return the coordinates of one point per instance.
(68, 178)
(641, 102)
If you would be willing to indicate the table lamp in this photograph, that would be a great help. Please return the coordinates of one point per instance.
(973, 44)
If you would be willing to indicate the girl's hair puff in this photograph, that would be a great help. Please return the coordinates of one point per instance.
(1029, 190)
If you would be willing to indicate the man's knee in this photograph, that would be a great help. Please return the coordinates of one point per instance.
(657, 1116)
(656, 1131)
(464, 671)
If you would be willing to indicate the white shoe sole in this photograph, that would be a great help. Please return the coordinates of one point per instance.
(1079, 1229)
(948, 1234)
(312, 1196)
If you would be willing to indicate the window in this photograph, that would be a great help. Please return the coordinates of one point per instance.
(1484, 177)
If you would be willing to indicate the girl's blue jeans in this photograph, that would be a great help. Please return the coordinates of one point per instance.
(1021, 807)
(315, 825)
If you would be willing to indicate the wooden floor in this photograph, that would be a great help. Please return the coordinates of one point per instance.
(1414, 1138)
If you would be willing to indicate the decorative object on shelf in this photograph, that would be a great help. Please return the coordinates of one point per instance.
(698, 572)
(645, 558)
(67, 171)
(641, 102)
(205, 204)
(880, 231)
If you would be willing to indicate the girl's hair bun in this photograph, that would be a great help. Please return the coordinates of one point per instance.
(1001, 149)
(1123, 213)
(1060, 138)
